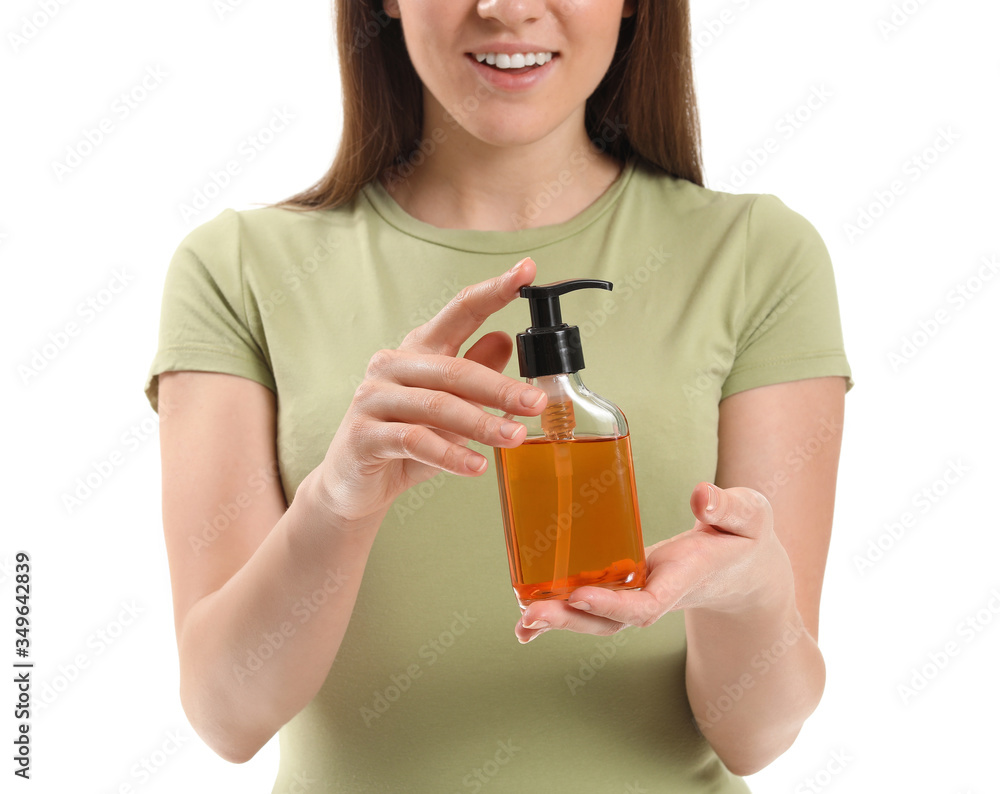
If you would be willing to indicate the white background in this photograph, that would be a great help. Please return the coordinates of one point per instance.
(106, 679)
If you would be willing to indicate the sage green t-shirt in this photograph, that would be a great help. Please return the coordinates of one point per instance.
(431, 692)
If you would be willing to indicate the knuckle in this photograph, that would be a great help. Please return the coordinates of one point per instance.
(380, 361)
(409, 438)
(358, 426)
(415, 337)
(647, 621)
(649, 614)
(462, 296)
(507, 394)
(453, 459)
(466, 301)
(365, 391)
(434, 404)
(452, 370)
(486, 426)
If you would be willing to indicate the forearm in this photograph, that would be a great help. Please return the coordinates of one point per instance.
(753, 677)
(256, 651)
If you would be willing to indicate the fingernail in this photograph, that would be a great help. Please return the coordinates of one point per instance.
(531, 397)
(713, 498)
(475, 462)
(509, 429)
(583, 605)
(514, 270)
(538, 624)
(536, 634)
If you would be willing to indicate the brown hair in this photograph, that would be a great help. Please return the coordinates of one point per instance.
(648, 92)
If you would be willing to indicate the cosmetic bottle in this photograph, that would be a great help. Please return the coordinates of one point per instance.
(567, 493)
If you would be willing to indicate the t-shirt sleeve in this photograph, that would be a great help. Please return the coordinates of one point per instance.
(203, 318)
(790, 325)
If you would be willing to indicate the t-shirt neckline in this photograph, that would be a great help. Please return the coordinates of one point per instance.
(494, 242)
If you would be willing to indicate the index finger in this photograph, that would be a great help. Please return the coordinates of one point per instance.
(448, 330)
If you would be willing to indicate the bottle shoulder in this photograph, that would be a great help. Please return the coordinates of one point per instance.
(574, 411)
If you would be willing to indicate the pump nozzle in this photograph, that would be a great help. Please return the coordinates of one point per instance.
(550, 346)
(543, 300)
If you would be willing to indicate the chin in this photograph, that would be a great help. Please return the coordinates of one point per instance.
(509, 131)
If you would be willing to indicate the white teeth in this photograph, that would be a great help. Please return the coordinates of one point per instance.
(516, 60)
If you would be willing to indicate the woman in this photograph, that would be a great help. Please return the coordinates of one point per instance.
(336, 553)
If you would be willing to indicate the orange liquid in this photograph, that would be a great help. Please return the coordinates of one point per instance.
(571, 517)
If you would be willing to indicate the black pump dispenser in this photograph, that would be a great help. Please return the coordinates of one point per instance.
(550, 346)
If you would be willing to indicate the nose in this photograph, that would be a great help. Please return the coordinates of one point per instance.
(511, 12)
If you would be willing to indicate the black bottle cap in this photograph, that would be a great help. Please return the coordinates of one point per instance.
(550, 347)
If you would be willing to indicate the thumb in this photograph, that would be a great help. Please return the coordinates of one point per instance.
(738, 511)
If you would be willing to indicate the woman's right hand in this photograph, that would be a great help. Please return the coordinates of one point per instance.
(420, 404)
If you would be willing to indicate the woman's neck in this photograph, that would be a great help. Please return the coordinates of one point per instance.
(456, 181)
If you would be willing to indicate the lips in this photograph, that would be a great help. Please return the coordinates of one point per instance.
(515, 66)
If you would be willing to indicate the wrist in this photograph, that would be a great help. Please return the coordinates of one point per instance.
(770, 593)
(317, 501)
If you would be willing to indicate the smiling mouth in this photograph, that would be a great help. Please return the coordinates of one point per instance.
(517, 60)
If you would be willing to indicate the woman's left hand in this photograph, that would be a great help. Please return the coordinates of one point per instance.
(730, 561)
